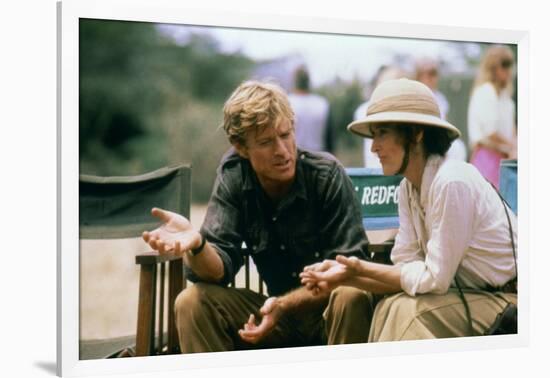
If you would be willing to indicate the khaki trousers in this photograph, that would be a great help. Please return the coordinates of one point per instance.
(429, 316)
(208, 318)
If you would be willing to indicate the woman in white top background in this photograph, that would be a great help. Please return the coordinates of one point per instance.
(491, 113)
(454, 229)
(427, 72)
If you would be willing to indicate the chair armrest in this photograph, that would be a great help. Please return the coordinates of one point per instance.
(384, 247)
(380, 252)
(154, 258)
(147, 301)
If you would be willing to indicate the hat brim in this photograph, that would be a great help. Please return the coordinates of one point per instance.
(362, 126)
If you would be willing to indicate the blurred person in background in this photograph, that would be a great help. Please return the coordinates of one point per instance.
(312, 115)
(292, 208)
(491, 113)
(427, 72)
(384, 73)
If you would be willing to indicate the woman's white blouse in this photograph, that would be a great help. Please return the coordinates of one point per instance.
(455, 224)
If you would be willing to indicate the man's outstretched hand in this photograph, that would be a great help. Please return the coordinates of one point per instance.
(271, 313)
(326, 276)
(176, 234)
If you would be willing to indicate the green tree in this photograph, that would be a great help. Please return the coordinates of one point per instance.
(147, 102)
(344, 97)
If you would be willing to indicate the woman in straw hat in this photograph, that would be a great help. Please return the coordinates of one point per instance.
(454, 230)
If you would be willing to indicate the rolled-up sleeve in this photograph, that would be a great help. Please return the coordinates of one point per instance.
(342, 229)
(453, 222)
(221, 228)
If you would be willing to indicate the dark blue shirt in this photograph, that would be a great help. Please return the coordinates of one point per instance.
(318, 219)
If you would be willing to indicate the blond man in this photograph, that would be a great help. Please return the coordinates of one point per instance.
(291, 208)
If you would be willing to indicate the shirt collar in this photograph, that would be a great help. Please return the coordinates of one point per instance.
(250, 179)
(299, 186)
(430, 170)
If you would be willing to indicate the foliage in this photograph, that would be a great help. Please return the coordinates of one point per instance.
(344, 98)
(147, 102)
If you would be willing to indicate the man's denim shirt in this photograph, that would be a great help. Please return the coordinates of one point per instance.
(318, 219)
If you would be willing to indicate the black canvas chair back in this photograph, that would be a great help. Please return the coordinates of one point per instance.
(118, 208)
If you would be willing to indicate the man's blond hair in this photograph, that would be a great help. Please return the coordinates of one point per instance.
(255, 105)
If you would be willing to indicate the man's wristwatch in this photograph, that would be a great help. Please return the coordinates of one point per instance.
(199, 249)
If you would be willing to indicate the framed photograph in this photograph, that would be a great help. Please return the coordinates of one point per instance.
(141, 91)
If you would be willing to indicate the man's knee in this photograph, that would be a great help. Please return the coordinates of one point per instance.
(344, 298)
(347, 316)
(201, 319)
(194, 298)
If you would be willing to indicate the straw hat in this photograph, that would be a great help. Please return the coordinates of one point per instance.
(402, 101)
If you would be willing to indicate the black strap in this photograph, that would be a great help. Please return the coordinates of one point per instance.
(463, 299)
(460, 292)
(199, 249)
(405, 161)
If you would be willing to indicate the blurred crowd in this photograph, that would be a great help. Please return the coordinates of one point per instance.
(491, 128)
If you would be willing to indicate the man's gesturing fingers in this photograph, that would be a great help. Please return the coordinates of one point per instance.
(250, 324)
(163, 215)
(351, 262)
(253, 334)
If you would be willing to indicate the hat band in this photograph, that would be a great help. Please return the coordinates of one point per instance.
(411, 103)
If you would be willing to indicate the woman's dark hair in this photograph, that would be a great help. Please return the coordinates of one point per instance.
(436, 140)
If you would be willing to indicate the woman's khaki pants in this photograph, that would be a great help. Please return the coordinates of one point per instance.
(429, 316)
(208, 318)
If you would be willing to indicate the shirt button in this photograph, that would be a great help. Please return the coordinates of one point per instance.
(294, 274)
(274, 219)
(283, 247)
(317, 254)
(254, 247)
(302, 156)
